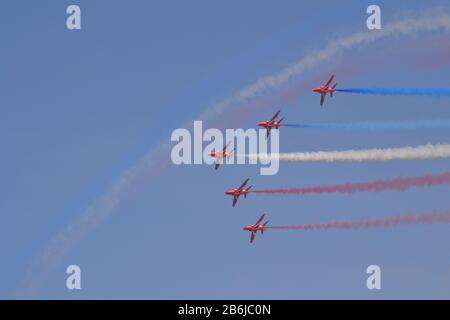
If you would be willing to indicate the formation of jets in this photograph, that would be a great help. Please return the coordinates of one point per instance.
(323, 90)
(240, 191)
(273, 123)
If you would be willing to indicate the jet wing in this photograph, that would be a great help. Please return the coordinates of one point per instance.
(329, 81)
(235, 199)
(229, 154)
(275, 116)
(322, 99)
(268, 132)
(227, 145)
(243, 184)
(260, 219)
(252, 237)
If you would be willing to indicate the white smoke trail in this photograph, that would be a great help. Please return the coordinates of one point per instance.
(430, 21)
(436, 19)
(428, 151)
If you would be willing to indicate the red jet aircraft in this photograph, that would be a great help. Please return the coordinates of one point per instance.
(237, 192)
(272, 123)
(254, 228)
(323, 90)
(220, 155)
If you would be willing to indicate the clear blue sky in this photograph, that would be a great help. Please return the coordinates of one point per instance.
(80, 107)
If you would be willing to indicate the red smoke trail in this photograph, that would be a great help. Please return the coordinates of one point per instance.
(378, 185)
(371, 223)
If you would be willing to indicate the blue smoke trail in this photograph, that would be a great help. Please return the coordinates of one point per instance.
(374, 125)
(435, 92)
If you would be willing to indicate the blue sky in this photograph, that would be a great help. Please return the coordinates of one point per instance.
(80, 107)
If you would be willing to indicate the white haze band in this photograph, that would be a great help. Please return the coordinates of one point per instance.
(190, 149)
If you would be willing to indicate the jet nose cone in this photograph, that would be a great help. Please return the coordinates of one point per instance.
(260, 124)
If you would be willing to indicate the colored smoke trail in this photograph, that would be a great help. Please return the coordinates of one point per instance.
(374, 125)
(371, 223)
(399, 184)
(434, 92)
(428, 151)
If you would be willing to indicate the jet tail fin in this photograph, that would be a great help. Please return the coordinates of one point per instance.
(333, 87)
(265, 223)
(245, 195)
